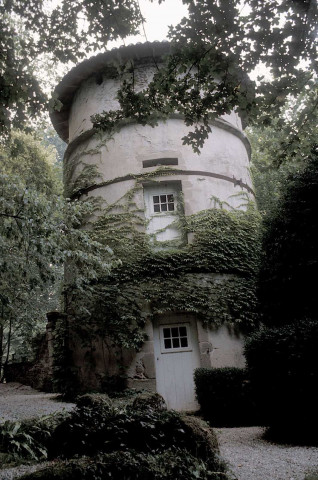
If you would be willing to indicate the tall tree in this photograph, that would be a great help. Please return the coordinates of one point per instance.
(288, 291)
(214, 51)
(28, 211)
(66, 31)
(38, 232)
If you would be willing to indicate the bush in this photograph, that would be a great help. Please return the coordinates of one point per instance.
(98, 401)
(99, 426)
(16, 441)
(113, 385)
(148, 400)
(170, 465)
(29, 439)
(138, 441)
(225, 396)
(283, 367)
(201, 435)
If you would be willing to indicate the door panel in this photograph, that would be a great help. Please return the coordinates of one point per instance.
(176, 357)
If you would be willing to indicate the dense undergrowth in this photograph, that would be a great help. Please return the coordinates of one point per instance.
(99, 439)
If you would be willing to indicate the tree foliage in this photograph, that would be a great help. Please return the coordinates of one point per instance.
(283, 374)
(38, 232)
(66, 31)
(214, 51)
(28, 215)
(290, 250)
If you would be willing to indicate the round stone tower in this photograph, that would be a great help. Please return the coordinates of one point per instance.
(174, 185)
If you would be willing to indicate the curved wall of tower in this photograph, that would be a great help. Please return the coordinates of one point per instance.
(133, 152)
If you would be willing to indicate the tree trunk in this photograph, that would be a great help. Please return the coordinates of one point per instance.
(1, 341)
(8, 349)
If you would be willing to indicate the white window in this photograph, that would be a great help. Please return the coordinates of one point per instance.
(175, 338)
(163, 203)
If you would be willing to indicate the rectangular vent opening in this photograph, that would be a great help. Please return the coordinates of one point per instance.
(159, 161)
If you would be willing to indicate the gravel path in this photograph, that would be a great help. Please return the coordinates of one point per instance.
(251, 458)
(18, 402)
(248, 456)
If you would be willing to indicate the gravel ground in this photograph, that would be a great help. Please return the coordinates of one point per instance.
(18, 402)
(251, 458)
(248, 456)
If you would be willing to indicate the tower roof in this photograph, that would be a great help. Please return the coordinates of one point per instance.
(68, 86)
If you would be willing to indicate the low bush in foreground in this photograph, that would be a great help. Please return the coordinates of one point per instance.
(145, 426)
(225, 396)
(171, 464)
(141, 440)
(28, 440)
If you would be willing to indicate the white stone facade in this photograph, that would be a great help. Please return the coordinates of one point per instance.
(220, 171)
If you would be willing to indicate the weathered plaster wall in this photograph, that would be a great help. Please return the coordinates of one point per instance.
(219, 171)
(223, 154)
(93, 98)
(227, 347)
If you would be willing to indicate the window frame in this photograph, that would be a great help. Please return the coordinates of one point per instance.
(160, 203)
(163, 349)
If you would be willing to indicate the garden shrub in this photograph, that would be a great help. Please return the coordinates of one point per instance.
(172, 464)
(28, 439)
(113, 385)
(203, 437)
(16, 441)
(287, 287)
(283, 367)
(100, 401)
(135, 441)
(148, 400)
(105, 428)
(225, 396)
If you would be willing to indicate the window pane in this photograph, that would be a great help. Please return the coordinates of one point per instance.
(163, 198)
(163, 207)
(170, 198)
(167, 343)
(166, 333)
(184, 342)
(170, 207)
(175, 343)
(156, 208)
(183, 331)
(175, 332)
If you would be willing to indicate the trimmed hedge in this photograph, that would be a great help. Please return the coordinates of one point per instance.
(283, 368)
(224, 395)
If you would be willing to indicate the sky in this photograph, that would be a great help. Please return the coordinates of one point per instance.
(158, 18)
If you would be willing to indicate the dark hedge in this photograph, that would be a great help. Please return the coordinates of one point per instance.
(224, 396)
(283, 368)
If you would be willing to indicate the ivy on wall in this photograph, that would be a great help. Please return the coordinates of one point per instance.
(214, 277)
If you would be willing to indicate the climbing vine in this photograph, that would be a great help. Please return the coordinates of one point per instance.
(213, 277)
(209, 271)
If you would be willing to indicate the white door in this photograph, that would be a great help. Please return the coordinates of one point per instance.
(176, 356)
(161, 210)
